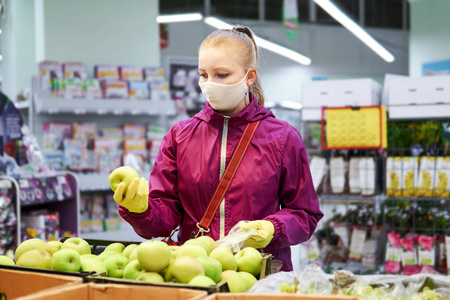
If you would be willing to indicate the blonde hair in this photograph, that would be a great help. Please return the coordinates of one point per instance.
(243, 37)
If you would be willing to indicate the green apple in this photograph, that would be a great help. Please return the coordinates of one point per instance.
(93, 264)
(35, 259)
(87, 256)
(115, 264)
(184, 269)
(30, 244)
(212, 267)
(78, 244)
(212, 244)
(54, 246)
(150, 277)
(248, 279)
(132, 270)
(129, 249)
(234, 281)
(66, 260)
(123, 174)
(118, 247)
(197, 242)
(133, 254)
(249, 260)
(6, 260)
(225, 256)
(154, 256)
(191, 250)
(105, 254)
(201, 280)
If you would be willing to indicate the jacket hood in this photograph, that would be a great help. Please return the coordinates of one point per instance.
(253, 112)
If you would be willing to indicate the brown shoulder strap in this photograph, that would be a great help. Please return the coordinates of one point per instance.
(227, 177)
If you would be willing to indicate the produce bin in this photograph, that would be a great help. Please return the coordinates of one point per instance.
(92, 291)
(217, 288)
(81, 275)
(243, 296)
(18, 283)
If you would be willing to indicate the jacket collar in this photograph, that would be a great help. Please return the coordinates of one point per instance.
(253, 112)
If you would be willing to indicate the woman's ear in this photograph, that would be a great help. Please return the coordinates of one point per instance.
(251, 77)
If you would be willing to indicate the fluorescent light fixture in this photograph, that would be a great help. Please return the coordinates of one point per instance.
(1, 57)
(179, 18)
(295, 56)
(0, 31)
(354, 28)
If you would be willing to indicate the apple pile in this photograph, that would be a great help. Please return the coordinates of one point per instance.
(198, 262)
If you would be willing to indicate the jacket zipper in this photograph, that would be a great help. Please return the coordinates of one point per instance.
(223, 160)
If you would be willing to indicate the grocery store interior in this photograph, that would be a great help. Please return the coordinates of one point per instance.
(87, 86)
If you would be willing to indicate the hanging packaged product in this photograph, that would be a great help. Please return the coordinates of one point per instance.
(98, 212)
(85, 213)
(318, 167)
(106, 72)
(441, 262)
(75, 153)
(367, 176)
(138, 89)
(74, 70)
(49, 71)
(55, 133)
(353, 176)
(409, 255)
(393, 176)
(91, 89)
(72, 88)
(393, 253)
(426, 177)
(151, 73)
(357, 243)
(337, 175)
(114, 89)
(130, 73)
(159, 89)
(107, 153)
(410, 170)
(311, 248)
(427, 252)
(442, 186)
(85, 131)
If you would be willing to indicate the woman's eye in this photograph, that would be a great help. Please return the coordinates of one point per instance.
(222, 76)
(203, 75)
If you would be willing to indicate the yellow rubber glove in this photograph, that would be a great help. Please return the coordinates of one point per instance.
(263, 234)
(136, 197)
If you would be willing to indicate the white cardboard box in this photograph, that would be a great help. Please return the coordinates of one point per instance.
(338, 93)
(421, 97)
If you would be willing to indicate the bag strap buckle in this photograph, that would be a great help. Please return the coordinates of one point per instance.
(201, 231)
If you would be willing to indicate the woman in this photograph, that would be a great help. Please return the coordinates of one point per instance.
(272, 188)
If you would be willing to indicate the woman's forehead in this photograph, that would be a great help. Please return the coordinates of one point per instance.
(228, 54)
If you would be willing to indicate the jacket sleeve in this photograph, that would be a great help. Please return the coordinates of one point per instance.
(297, 219)
(164, 211)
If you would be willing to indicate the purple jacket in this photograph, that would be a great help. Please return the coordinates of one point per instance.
(272, 183)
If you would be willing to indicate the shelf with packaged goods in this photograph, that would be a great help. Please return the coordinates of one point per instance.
(348, 198)
(44, 103)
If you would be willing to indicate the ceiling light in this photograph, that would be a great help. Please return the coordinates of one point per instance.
(354, 28)
(1, 57)
(291, 54)
(179, 18)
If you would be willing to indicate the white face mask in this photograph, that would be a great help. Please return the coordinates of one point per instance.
(224, 96)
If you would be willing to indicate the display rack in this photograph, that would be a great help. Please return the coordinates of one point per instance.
(11, 185)
(64, 202)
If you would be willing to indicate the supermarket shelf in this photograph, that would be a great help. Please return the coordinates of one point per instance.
(339, 199)
(94, 182)
(415, 199)
(46, 104)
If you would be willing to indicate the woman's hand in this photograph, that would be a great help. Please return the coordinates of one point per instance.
(136, 197)
(263, 234)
